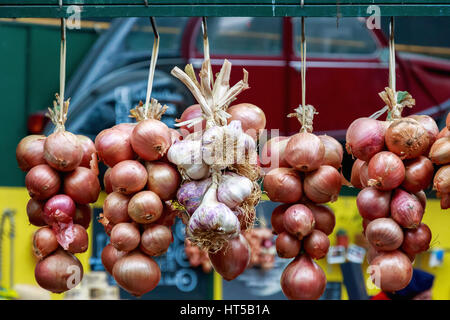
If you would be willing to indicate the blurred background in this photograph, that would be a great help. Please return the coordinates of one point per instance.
(107, 70)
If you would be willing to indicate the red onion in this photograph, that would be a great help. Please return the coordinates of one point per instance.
(429, 125)
(298, 220)
(386, 171)
(113, 146)
(80, 241)
(30, 152)
(83, 214)
(443, 133)
(355, 179)
(272, 155)
(163, 179)
(323, 216)
(333, 151)
(305, 152)
(232, 259)
(109, 257)
(125, 236)
(418, 174)
(391, 271)
(407, 138)
(323, 185)
(422, 198)
(192, 112)
(287, 246)
(145, 207)
(277, 218)
(283, 185)
(42, 182)
(126, 127)
(44, 242)
(445, 201)
(63, 151)
(107, 181)
(372, 253)
(167, 217)
(417, 240)
(303, 279)
(364, 175)
(316, 244)
(82, 186)
(365, 138)
(384, 234)
(365, 223)
(440, 151)
(35, 212)
(252, 118)
(406, 209)
(88, 147)
(59, 272)
(447, 121)
(373, 203)
(137, 273)
(156, 239)
(115, 207)
(151, 139)
(175, 135)
(128, 177)
(59, 209)
(441, 181)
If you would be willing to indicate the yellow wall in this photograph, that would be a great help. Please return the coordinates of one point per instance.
(24, 262)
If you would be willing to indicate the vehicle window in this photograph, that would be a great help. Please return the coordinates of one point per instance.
(243, 36)
(170, 31)
(323, 36)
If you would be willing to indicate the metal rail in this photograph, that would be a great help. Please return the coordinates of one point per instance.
(235, 8)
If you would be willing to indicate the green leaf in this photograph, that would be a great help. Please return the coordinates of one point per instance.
(401, 95)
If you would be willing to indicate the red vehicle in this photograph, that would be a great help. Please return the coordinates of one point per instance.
(346, 68)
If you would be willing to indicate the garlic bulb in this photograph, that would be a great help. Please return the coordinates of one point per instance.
(213, 218)
(187, 155)
(213, 145)
(190, 194)
(234, 189)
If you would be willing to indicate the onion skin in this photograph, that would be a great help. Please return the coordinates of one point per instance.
(175, 136)
(298, 220)
(447, 121)
(163, 179)
(323, 185)
(109, 257)
(324, 217)
(316, 244)
(305, 152)
(372, 253)
(42, 182)
(107, 181)
(355, 178)
(276, 219)
(444, 133)
(252, 118)
(35, 210)
(59, 209)
(373, 203)
(287, 246)
(128, 177)
(407, 138)
(386, 171)
(145, 207)
(445, 201)
(126, 127)
(406, 209)
(151, 139)
(429, 125)
(113, 146)
(394, 269)
(115, 207)
(384, 234)
(303, 279)
(44, 242)
(83, 215)
(441, 181)
(192, 112)
(30, 152)
(417, 240)
(422, 198)
(80, 242)
(283, 185)
(364, 175)
(82, 186)
(418, 174)
(63, 151)
(334, 152)
(137, 273)
(56, 271)
(440, 151)
(156, 239)
(125, 236)
(88, 147)
(365, 138)
(272, 155)
(232, 259)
